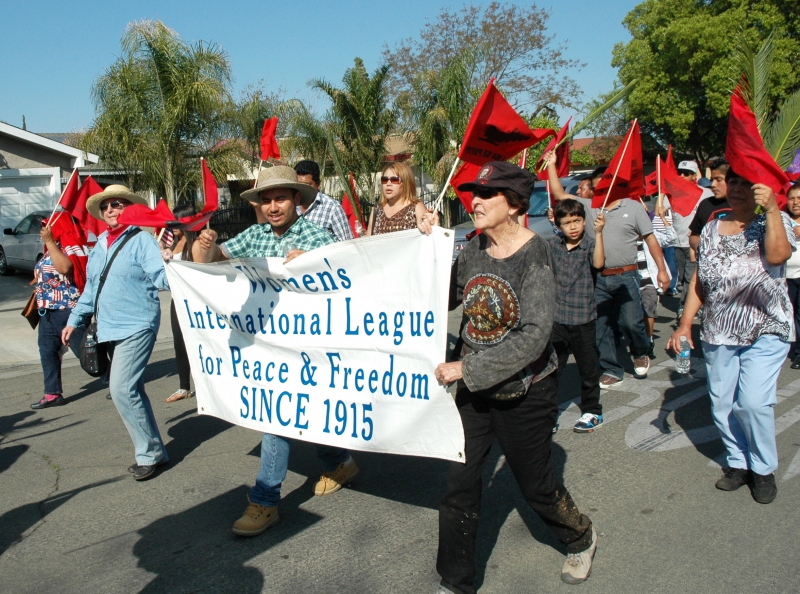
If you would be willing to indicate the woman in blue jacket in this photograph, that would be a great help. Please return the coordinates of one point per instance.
(128, 314)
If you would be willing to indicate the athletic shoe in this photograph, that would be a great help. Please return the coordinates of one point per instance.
(796, 363)
(764, 488)
(555, 428)
(609, 381)
(330, 482)
(651, 353)
(49, 400)
(732, 479)
(641, 365)
(588, 423)
(142, 473)
(255, 520)
(578, 566)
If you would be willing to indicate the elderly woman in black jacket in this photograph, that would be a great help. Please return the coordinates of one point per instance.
(506, 377)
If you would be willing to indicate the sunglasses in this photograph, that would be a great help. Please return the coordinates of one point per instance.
(394, 179)
(115, 205)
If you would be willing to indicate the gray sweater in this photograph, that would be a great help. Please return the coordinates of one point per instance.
(509, 306)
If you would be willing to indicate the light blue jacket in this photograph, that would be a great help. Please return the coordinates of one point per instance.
(129, 301)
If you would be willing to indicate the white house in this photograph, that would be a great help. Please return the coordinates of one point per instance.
(32, 171)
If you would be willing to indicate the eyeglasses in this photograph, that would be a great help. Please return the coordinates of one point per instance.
(115, 205)
(485, 193)
(394, 179)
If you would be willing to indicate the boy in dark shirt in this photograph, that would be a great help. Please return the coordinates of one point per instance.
(576, 258)
(711, 208)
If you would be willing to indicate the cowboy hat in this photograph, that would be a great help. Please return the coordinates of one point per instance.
(279, 176)
(113, 191)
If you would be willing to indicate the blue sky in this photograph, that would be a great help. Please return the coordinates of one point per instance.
(52, 51)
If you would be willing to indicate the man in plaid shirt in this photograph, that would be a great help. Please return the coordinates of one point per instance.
(577, 257)
(322, 210)
(277, 194)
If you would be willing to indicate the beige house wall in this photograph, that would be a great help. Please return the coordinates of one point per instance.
(15, 154)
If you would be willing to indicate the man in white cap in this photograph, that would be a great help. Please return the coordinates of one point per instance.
(684, 254)
(285, 234)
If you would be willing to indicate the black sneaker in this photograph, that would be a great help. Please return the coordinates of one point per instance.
(764, 488)
(796, 363)
(732, 479)
(651, 353)
(142, 473)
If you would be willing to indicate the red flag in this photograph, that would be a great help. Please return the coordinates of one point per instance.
(669, 162)
(495, 131)
(72, 241)
(69, 197)
(143, 216)
(354, 216)
(625, 170)
(683, 194)
(269, 144)
(196, 222)
(466, 173)
(746, 154)
(77, 208)
(562, 154)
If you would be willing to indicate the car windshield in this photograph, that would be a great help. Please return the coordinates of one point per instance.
(539, 203)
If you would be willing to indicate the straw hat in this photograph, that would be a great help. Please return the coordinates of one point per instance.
(113, 191)
(279, 176)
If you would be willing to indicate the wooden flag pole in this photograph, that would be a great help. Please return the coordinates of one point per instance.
(660, 201)
(74, 173)
(437, 205)
(619, 164)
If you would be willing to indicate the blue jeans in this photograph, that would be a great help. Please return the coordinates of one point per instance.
(619, 304)
(50, 326)
(275, 462)
(672, 263)
(742, 384)
(126, 383)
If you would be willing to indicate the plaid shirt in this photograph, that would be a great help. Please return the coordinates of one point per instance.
(259, 241)
(575, 278)
(328, 213)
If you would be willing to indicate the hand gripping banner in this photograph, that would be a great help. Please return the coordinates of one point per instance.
(337, 347)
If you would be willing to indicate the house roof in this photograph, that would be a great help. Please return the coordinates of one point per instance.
(81, 158)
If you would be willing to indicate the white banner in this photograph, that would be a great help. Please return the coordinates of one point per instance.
(337, 347)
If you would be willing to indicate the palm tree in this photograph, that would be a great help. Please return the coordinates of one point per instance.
(361, 120)
(778, 122)
(161, 105)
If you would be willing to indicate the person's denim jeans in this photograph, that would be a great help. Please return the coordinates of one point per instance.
(743, 384)
(275, 463)
(686, 269)
(672, 264)
(619, 304)
(50, 326)
(126, 383)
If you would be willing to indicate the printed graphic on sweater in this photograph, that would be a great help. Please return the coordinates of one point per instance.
(492, 308)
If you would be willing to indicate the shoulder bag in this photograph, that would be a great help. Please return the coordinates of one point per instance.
(93, 354)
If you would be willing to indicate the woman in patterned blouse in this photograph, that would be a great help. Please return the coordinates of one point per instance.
(747, 326)
(399, 207)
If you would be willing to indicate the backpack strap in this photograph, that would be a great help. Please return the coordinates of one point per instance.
(104, 274)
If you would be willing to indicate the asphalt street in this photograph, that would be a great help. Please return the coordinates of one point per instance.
(72, 519)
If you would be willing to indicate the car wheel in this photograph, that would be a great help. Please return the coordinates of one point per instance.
(5, 269)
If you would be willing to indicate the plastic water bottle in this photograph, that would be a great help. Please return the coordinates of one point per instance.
(682, 362)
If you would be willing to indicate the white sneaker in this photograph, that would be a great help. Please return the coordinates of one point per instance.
(641, 365)
(578, 566)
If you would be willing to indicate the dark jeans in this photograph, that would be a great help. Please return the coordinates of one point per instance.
(672, 264)
(619, 305)
(580, 341)
(523, 427)
(794, 296)
(686, 268)
(181, 356)
(50, 326)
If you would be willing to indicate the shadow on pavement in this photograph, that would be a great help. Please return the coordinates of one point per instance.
(16, 521)
(196, 551)
(10, 455)
(190, 432)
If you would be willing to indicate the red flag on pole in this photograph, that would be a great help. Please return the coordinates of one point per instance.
(623, 179)
(683, 194)
(466, 173)
(354, 216)
(562, 154)
(669, 162)
(72, 241)
(746, 154)
(69, 196)
(269, 144)
(77, 208)
(495, 131)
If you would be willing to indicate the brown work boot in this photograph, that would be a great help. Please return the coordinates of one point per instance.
(256, 519)
(330, 482)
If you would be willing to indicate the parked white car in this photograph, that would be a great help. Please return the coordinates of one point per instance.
(21, 247)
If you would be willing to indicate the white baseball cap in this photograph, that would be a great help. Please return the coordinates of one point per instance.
(689, 166)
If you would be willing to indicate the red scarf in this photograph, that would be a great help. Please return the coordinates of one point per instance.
(113, 234)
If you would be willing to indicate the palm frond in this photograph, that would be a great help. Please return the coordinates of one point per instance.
(783, 137)
(345, 181)
(755, 66)
(596, 113)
